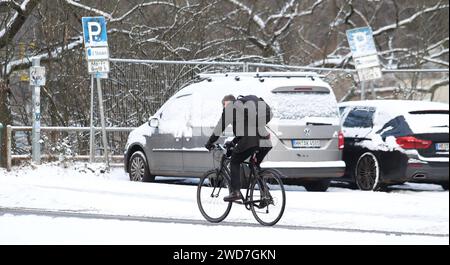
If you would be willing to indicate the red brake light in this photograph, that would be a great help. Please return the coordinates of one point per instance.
(341, 141)
(411, 142)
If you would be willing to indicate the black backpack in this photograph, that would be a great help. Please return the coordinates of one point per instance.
(257, 100)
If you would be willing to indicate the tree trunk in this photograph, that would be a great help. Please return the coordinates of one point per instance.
(5, 119)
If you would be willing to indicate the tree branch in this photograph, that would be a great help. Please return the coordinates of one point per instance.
(55, 54)
(410, 19)
(90, 9)
(16, 22)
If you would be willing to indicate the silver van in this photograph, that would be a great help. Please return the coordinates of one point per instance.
(305, 130)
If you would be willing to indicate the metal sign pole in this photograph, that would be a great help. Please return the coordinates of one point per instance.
(102, 118)
(97, 54)
(374, 93)
(92, 132)
(363, 92)
(36, 131)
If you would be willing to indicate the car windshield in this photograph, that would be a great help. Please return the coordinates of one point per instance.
(298, 105)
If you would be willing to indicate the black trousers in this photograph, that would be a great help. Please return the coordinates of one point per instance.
(238, 158)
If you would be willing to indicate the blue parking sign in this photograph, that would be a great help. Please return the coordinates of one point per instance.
(94, 31)
(361, 41)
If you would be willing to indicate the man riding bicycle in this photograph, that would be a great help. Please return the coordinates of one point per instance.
(248, 117)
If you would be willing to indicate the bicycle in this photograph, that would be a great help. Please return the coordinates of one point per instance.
(265, 195)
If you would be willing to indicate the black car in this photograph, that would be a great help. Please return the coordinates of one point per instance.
(393, 141)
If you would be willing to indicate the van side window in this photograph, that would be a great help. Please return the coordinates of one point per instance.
(175, 117)
(359, 118)
(177, 109)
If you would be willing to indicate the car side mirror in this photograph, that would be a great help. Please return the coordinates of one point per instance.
(153, 122)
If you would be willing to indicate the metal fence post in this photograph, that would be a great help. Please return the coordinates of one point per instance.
(245, 67)
(1, 144)
(8, 147)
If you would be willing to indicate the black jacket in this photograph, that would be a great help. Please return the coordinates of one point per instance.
(245, 127)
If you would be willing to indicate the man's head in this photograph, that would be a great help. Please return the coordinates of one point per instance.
(227, 100)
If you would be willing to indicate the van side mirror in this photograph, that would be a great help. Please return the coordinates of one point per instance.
(153, 122)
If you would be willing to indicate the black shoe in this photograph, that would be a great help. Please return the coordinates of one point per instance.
(234, 196)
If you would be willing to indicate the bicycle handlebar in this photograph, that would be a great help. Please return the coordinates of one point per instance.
(220, 147)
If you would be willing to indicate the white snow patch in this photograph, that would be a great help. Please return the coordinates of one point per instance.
(428, 123)
(139, 135)
(23, 230)
(83, 188)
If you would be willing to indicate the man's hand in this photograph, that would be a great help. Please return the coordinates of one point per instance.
(209, 146)
(228, 145)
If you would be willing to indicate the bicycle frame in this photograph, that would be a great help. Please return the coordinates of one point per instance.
(253, 177)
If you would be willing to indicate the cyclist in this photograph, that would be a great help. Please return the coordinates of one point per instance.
(250, 135)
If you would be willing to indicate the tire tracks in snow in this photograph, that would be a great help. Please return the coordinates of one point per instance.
(86, 215)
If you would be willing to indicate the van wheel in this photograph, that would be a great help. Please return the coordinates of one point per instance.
(445, 186)
(367, 172)
(139, 170)
(317, 185)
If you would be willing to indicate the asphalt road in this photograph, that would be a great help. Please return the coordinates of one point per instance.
(85, 215)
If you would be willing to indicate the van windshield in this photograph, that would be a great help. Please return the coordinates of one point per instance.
(298, 105)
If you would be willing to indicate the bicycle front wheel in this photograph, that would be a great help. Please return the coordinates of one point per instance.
(268, 198)
(211, 190)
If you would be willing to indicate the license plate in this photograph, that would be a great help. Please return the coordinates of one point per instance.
(306, 143)
(442, 147)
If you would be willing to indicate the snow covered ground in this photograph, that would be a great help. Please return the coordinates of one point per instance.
(50, 204)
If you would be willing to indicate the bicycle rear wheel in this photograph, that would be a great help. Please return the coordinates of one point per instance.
(211, 190)
(268, 197)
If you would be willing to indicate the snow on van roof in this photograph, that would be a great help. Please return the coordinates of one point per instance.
(215, 86)
(398, 106)
(261, 75)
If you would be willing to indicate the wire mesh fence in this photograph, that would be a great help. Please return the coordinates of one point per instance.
(136, 89)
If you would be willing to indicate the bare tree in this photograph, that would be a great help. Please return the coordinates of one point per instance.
(12, 18)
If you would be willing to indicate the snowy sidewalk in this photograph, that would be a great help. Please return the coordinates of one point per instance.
(80, 189)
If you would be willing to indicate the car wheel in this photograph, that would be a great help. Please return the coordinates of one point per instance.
(317, 185)
(139, 170)
(445, 186)
(367, 172)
